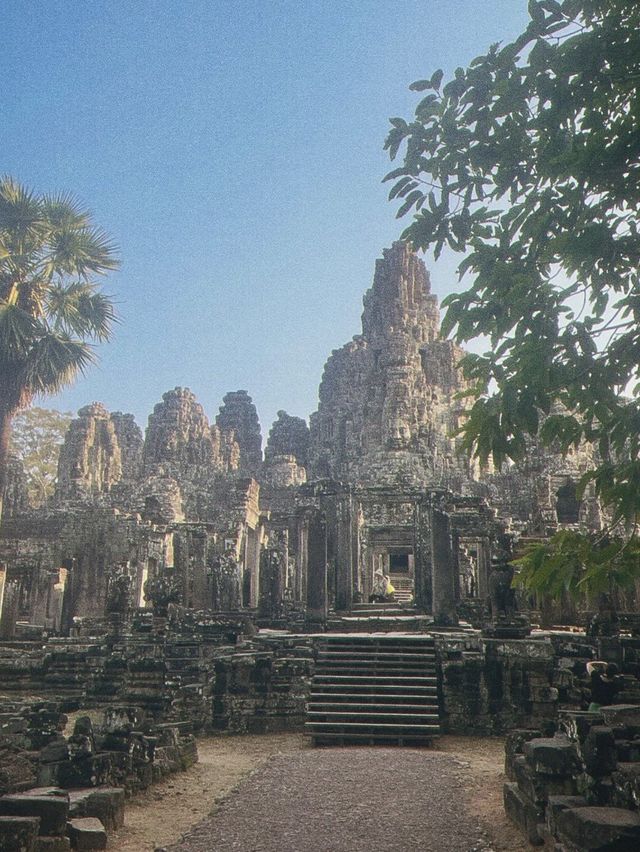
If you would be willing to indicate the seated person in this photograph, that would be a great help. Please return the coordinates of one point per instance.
(380, 583)
(605, 684)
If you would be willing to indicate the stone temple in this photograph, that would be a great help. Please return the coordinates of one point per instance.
(304, 524)
(188, 580)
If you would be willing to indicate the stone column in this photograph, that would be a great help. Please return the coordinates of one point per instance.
(422, 564)
(344, 554)
(300, 592)
(443, 567)
(484, 565)
(317, 571)
(8, 606)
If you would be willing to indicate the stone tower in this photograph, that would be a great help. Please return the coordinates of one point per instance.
(386, 411)
(238, 414)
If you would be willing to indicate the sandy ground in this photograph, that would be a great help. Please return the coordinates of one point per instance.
(161, 815)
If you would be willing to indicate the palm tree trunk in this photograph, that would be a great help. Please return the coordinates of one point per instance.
(5, 433)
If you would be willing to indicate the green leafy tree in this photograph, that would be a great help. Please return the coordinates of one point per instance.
(580, 565)
(528, 163)
(51, 311)
(36, 437)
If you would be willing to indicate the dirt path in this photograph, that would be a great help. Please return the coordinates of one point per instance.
(162, 814)
(471, 769)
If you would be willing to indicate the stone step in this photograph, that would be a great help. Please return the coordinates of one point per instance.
(353, 655)
(321, 706)
(377, 679)
(368, 689)
(376, 717)
(372, 738)
(418, 692)
(384, 727)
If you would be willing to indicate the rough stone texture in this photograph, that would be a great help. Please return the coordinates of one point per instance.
(130, 441)
(591, 829)
(289, 436)
(238, 415)
(104, 803)
(178, 439)
(16, 496)
(18, 834)
(87, 833)
(90, 461)
(52, 810)
(386, 403)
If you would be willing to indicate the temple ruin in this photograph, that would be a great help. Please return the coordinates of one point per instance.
(184, 580)
(356, 490)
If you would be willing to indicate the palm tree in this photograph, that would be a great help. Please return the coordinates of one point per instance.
(51, 311)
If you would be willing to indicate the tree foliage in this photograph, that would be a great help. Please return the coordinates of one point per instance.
(527, 162)
(36, 437)
(579, 565)
(51, 310)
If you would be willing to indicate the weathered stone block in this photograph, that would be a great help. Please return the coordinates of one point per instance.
(551, 755)
(52, 810)
(523, 813)
(599, 751)
(557, 804)
(18, 834)
(537, 786)
(87, 833)
(622, 715)
(626, 786)
(600, 829)
(53, 844)
(104, 803)
(513, 745)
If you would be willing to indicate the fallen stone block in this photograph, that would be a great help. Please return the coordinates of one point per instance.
(626, 786)
(557, 804)
(523, 813)
(53, 844)
(551, 755)
(104, 803)
(18, 834)
(599, 829)
(622, 715)
(87, 833)
(599, 751)
(538, 787)
(52, 810)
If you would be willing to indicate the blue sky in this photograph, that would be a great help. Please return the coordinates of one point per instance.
(233, 150)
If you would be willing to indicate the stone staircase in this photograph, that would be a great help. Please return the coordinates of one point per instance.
(403, 588)
(374, 689)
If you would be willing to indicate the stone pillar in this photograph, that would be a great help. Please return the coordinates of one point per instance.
(273, 573)
(251, 568)
(197, 567)
(317, 571)
(344, 554)
(422, 566)
(443, 567)
(484, 566)
(300, 587)
(8, 606)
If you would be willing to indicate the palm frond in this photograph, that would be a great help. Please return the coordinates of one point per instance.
(55, 361)
(18, 329)
(81, 252)
(64, 211)
(22, 220)
(80, 309)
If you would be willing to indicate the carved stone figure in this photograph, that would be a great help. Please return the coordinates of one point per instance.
(119, 595)
(161, 591)
(502, 598)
